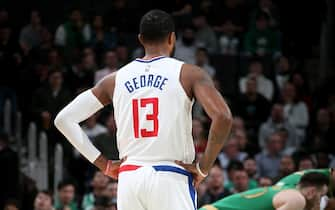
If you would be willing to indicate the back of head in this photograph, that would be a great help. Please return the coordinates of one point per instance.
(314, 179)
(155, 26)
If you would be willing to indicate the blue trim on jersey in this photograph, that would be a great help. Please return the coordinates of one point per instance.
(183, 172)
(150, 60)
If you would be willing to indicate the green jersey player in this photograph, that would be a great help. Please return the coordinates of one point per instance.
(305, 195)
(293, 179)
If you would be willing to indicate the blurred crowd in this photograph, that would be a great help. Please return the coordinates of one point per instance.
(280, 124)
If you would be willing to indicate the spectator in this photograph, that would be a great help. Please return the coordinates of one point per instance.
(66, 196)
(286, 167)
(231, 11)
(111, 62)
(106, 142)
(268, 161)
(10, 60)
(73, 34)
(201, 60)
(111, 190)
(265, 181)
(30, 36)
(261, 40)
(240, 182)
(231, 152)
(323, 159)
(81, 74)
(204, 35)
(49, 100)
(233, 166)
(302, 89)
(283, 72)
(321, 134)
(99, 184)
(250, 167)
(92, 128)
(55, 60)
(229, 42)
(264, 85)
(295, 111)
(288, 150)
(306, 163)
(122, 54)
(186, 46)
(101, 40)
(43, 201)
(215, 189)
(243, 142)
(9, 176)
(269, 8)
(199, 136)
(276, 122)
(12, 205)
(238, 124)
(253, 108)
(47, 41)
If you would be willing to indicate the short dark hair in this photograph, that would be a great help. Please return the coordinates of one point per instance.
(156, 25)
(307, 157)
(65, 183)
(46, 192)
(314, 179)
(202, 49)
(235, 165)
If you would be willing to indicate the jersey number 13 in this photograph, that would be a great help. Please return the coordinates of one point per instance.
(153, 117)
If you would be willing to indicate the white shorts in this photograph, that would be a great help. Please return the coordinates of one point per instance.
(159, 187)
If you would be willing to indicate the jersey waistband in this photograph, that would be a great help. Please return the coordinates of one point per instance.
(167, 168)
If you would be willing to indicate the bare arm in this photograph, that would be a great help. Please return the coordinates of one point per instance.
(217, 109)
(197, 83)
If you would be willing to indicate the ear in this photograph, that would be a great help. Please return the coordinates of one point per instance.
(140, 39)
(172, 38)
(311, 193)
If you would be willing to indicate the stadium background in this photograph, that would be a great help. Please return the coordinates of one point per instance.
(272, 60)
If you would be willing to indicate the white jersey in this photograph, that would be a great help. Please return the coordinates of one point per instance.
(153, 112)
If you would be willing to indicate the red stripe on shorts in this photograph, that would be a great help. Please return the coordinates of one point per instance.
(128, 168)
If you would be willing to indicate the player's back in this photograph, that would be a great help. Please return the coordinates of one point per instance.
(259, 198)
(153, 112)
(294, 178)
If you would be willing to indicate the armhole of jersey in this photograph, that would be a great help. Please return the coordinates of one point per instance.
(115, 87)
(181, 85)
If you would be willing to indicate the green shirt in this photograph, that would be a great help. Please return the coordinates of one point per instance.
(294, 179)
(72, 205)
(259, 198)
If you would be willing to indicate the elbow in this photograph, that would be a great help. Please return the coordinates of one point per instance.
(224, 118)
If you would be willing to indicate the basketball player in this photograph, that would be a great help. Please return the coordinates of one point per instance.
(152, 99)
(306, 195)
(293, 180)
